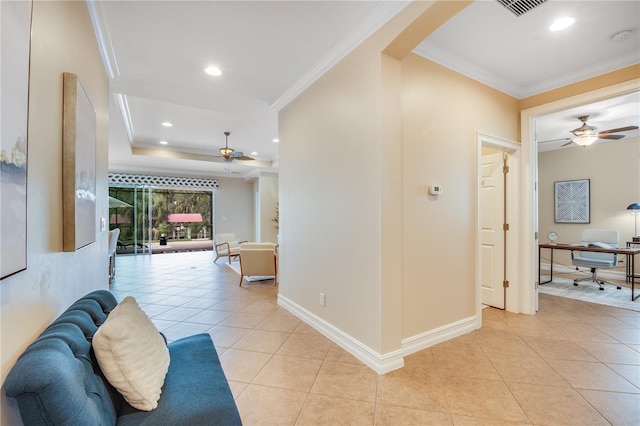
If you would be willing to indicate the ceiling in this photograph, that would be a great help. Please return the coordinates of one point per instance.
(270, 51)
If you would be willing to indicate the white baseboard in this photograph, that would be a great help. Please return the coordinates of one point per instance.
(446, 332)
(381, 364)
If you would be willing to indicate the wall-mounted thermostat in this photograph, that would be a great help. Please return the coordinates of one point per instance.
(435, 189)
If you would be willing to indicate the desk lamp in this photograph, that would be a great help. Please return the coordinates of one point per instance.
(636, 208)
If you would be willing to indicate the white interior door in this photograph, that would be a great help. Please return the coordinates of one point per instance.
(492, 205)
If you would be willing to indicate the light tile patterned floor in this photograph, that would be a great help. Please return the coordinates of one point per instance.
(574, 363)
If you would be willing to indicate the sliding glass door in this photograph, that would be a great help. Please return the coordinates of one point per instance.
(130, 209)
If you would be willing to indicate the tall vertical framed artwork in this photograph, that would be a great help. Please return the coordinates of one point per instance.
(15, 27)
(78, 166)
(572, 201)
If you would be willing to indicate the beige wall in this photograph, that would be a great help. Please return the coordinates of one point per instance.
(442, 113)
(330, 206)
(234, 210)
(331, 213)
(62, 41)
(613, 168)
(357, 223)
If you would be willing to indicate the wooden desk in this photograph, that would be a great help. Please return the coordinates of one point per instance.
(629, 252)
(631, 244)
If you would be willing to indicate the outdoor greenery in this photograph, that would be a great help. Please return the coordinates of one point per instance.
(163, 203)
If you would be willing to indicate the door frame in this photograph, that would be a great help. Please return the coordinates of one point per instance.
(513, 215)
(528, 299)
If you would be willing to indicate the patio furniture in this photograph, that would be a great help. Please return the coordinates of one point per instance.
(227, 245)
(258, 260)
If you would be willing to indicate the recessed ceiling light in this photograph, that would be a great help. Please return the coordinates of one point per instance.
(164, 143)
(254, 153)
(213, 70)
(276, 140)
(561, 24)
(167, 124)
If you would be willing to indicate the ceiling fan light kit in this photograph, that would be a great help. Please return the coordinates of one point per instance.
(585, 135)
(230, 154)
(585, 140)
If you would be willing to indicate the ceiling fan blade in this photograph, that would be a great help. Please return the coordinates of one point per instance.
(239, 155)
(620, 129)
(613, 137)
(554, 140)
(568, 143)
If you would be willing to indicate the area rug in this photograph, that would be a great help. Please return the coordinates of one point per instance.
(589, 292)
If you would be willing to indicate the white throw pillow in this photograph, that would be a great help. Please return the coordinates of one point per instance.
(132, 355)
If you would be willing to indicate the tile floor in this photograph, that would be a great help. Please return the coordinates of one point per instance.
(574, 363)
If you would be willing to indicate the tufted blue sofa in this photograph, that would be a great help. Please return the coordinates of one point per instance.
(57, 381)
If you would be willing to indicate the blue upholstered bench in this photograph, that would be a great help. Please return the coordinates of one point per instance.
(57, 381)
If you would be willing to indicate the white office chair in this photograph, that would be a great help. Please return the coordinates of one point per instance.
(595, 260)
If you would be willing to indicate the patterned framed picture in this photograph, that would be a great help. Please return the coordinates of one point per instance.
(572, 201)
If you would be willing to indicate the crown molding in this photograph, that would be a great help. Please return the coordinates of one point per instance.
(382, 14)
(467, 69)
(103, 37)
(123, 106)
(507, 86)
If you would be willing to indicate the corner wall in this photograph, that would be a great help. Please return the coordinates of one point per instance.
(63, 40)
(357, 224)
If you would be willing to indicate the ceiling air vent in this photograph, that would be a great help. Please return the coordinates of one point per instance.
(520, 7)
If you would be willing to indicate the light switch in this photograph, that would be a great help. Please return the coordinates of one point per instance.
(435, 189)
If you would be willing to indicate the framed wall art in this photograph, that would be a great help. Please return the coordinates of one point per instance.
(572, 201)
(16, 44)
(78, 166)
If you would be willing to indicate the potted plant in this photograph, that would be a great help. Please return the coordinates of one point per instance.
(163, 228)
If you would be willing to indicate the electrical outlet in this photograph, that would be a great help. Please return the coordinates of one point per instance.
(321, 299)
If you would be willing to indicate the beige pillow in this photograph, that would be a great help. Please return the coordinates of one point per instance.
(132, 355)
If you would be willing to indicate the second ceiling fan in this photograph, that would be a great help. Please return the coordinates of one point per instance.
(230, 154)
(586, 134)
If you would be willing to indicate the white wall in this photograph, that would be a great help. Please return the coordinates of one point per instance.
(613, 168)
(234, 209)
(62, 41)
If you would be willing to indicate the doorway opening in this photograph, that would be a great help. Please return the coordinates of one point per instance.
(529, 184)
(497, 227)
(159, 220)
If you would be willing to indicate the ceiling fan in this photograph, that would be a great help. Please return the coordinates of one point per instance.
(230, 154)
(586, 134)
